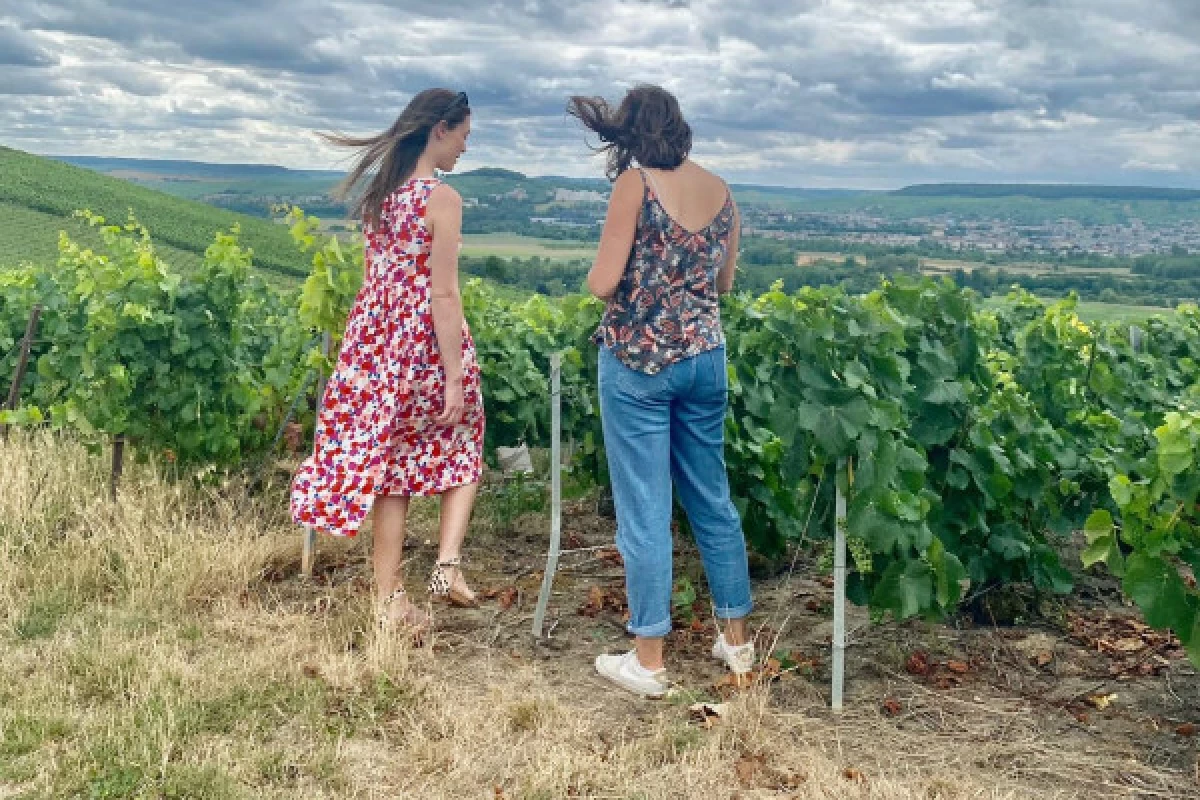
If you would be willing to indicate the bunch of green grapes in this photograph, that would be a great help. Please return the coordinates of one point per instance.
(825, 557)
(860, 553)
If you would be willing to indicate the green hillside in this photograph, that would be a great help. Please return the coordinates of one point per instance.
(27, 235)
(38, 196)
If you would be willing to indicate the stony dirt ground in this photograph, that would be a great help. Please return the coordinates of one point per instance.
(1069, 693)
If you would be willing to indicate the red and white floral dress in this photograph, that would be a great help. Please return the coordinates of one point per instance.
(376, 433)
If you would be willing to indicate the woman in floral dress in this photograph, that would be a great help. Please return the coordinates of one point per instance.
(402, 414)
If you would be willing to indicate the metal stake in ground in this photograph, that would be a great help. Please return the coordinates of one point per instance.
(839, 586)
(14, 392)
(310, 536)
(539, 615)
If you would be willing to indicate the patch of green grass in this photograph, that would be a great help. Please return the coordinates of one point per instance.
(43, 615)
(188, 782)
(277, 769)
(23, 734)
(173, 782)
(21, 737)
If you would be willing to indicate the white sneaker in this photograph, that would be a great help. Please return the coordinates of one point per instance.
(625, 671)
(739, 658)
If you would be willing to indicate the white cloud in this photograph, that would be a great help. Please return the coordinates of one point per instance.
(802, 92)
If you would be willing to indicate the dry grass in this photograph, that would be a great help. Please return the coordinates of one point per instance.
(141, 655)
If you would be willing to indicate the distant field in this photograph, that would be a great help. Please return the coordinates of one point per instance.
(509, 245)
(806, 259)
(1100, 312)
(939, 266)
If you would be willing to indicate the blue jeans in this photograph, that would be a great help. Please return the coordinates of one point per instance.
(664, 428)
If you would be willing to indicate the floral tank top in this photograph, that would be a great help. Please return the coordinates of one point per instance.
(666, 307)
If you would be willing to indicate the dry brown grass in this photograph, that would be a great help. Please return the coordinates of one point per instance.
(141, 656)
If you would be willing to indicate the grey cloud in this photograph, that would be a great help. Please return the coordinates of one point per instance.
(876, 93)
(20, 48)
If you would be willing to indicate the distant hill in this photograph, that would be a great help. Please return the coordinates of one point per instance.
(1047, 191)
(38, 196)
(199, 170)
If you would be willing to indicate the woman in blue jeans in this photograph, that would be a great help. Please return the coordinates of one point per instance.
(668, 250)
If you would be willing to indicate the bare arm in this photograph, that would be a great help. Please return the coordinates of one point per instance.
(443, 216)
(617, 238)
(729, 268)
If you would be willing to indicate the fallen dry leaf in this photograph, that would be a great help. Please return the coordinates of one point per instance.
(1043, 658)
(1186, 729)
(706, 714)
(1100, 701)
(852, 774)
(730, 683)
(611, 556)
(506, 597)
(892, 707)
(293, 436)
(960, 667)
(918, 663)
(601, 599)
(747, 769)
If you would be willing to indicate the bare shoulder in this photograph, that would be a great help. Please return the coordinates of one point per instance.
(707, 176)
(444, 197)
(628, 181)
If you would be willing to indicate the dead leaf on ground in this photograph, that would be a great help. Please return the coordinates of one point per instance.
(1043, 658)
(293, 436)
(1186, 729)
(852, 774)
(1100, 701)
(918, 663)
(748, 769)
(610, 556)
(707, 714)
(506, 597)
(600, 599)
(959, 667)
(731, 683)
(892, 707)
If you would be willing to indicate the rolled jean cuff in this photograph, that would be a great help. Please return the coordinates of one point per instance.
(737, 612)
(656, 631)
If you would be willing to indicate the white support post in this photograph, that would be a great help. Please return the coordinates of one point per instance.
(539, 615)
(839, 587)
(310, 536)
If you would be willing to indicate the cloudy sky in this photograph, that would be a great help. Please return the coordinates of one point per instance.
(855, 93)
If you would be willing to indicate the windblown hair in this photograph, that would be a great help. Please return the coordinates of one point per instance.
(647, 127)
(388, 158)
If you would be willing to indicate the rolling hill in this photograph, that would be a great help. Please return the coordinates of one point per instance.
(38, 196)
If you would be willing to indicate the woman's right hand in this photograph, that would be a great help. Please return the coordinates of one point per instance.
(453, 404)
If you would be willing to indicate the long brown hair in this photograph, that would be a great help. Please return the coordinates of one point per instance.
(647, 127)
(390, 157)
